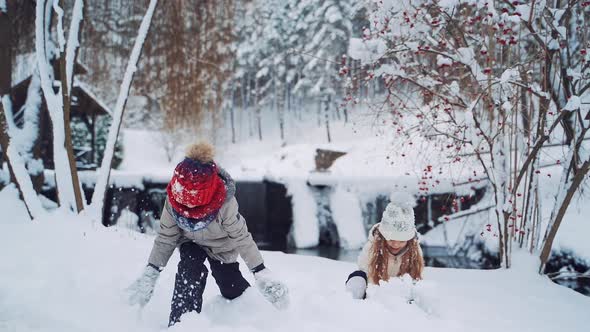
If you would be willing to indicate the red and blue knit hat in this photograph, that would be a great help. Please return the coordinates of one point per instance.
(196, 192)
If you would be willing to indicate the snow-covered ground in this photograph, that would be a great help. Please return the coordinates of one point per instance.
(63, 273)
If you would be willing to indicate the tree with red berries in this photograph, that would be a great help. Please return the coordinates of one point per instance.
(497, 81)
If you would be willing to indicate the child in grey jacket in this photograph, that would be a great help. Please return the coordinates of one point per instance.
(201, 218)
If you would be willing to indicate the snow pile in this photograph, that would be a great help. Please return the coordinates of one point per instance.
(305, 230)
(13, 207)
(348, 216)
(128, 220)
(64, 273)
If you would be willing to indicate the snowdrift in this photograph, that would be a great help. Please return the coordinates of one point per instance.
(63, 273)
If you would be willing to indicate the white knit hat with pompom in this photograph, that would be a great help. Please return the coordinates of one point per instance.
(398, 222)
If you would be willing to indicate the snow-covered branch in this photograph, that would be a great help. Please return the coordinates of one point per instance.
(54, 106)
(73, 40)
(60, 25)
(17, 163)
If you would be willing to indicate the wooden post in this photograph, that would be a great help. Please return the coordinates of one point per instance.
(93, 158)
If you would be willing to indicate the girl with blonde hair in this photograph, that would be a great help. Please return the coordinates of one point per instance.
(392, 250)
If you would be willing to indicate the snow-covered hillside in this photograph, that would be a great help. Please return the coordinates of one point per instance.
(63, 273)
(374, 153)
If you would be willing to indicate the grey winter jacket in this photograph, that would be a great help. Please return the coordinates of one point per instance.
(225, 238)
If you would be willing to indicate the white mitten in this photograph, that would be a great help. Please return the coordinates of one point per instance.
(357, 286)
(273, 290)
(140, 292)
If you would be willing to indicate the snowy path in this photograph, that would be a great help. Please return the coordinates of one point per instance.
(64, 274)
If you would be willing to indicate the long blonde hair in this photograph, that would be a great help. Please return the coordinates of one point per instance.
(412, 261)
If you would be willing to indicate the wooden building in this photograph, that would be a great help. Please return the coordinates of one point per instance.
(86, 107)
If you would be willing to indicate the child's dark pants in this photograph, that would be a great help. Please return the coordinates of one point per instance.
(191, 279)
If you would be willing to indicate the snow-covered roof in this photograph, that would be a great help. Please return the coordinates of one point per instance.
(84, 87)
(25, 64)
(23, 67)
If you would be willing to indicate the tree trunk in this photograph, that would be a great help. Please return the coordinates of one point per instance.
(93, 158)
(245, 94)
(573, 188)
(524, 108)
(5, 83)
(281, 110)
(67, 127)
(278, 104)
(319, 112)
(232, 111)
(37, 152)
(288, 97)
(326, 113)
(4, 144)
(257, 105)
(345, 110)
